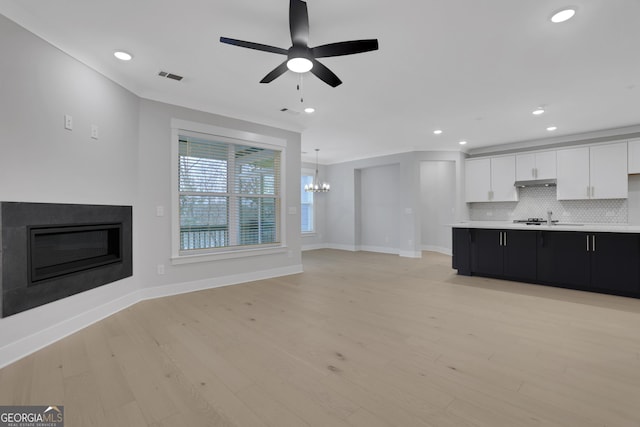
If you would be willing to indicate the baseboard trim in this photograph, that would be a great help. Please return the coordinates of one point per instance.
(217, 282)
(27, 345)
(411, 254)
(380, 249)
(314, 246)
(350, 248)
(439, 249)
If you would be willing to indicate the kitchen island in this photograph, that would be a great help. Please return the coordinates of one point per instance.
(593, 257)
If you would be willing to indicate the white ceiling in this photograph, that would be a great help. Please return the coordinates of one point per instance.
(474, 68)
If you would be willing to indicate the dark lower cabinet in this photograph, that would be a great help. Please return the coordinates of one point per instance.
(563, 259)
(615, 261)
(504, 253)
(604, 262)
(461, 258)
(487, 253)
(520, 255)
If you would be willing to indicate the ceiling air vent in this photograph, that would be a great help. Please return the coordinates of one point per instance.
(170, 75)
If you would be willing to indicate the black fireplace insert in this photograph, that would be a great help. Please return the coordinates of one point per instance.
(52, 251)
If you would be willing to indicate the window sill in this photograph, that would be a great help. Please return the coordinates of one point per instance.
(241, 253)
(309, 234)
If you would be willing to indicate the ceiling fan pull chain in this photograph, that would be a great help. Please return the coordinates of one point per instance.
(300, 88)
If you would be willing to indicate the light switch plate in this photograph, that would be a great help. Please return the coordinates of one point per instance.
(68, 122)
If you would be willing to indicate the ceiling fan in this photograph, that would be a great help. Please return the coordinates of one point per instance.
(302, 58)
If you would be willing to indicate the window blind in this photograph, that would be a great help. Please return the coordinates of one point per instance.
(229, 194)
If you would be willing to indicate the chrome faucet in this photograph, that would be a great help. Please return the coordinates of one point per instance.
(549, 213)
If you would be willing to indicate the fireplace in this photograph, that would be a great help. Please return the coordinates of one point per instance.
(52, 251)
(58, 251)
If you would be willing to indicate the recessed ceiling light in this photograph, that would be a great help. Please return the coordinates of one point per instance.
(437, 131)
(309, 110)
(538, 111)
(462, 142)
(122, 55)
(552, 128)
(563, 15)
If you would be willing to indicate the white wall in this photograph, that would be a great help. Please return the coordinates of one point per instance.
(437, 204)
(129, 164)
(154, 175)
(343, 230)
(379, 209)
(40, 161)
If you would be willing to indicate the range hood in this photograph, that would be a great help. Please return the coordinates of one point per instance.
(536, 183)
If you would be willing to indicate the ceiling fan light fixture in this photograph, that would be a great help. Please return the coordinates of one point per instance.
(299, 65)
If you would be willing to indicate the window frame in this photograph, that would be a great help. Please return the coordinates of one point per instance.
(308, 172)
(234, 136)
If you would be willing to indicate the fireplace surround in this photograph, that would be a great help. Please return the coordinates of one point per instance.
(52, 251)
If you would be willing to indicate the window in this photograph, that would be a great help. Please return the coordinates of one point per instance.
(306, 201)
(228, 194)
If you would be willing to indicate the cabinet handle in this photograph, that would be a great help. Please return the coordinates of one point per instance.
(533, 172)
(505, 238)
(500, 238)
(587, 243)
(593, 243)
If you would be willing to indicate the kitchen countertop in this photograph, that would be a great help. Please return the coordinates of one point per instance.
(508, 225)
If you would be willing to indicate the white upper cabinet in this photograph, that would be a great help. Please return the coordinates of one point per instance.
(477, 177)
(608, 167)
(503, 175)
(634, 156)
(573, 174)
(490, 179)
(540, 165)
(596, 172)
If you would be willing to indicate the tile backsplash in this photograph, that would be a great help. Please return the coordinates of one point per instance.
(536, 201)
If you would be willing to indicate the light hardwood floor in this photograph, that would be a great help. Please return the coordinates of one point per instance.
(359, 339)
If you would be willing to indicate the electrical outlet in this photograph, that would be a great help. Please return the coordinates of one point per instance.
(159, 210)
(160, 268)
(68, 122)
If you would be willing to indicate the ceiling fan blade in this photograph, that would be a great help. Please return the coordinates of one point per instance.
(325, 74)
(252, 45)
(345, 48)
(277, 72)
(299, 22)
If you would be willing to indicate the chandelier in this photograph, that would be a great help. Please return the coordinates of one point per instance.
(316, 187)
